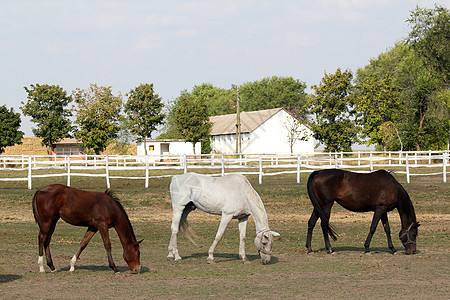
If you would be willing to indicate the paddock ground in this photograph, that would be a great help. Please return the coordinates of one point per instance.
(291, 274)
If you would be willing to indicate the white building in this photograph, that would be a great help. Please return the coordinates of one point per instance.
(265, 131)
(169, 146)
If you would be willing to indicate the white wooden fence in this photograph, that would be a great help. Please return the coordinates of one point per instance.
(429, 163)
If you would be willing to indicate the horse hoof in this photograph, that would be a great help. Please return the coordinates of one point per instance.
(117, 272)
(54, 271)
(210, 261)
(333, 253)
(246, 262)
(368, 253)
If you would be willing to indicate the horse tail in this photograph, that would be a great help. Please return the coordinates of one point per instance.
(184, 224)
(317, 208)
(37, 216)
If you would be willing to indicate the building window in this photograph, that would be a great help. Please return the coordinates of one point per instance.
(151, 148)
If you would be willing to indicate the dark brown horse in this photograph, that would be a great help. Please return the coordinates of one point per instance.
(378, 192)
(95, 210)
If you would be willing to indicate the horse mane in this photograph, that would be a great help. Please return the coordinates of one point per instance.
(116, 199)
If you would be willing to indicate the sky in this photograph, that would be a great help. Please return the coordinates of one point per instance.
(179, 44)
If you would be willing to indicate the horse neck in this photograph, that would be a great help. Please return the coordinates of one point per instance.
(405, 209)
(124, 230)
(258, 212)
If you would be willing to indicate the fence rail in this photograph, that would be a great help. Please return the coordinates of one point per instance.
(261, 165)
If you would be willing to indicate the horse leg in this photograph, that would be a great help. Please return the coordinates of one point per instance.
(107, 243)
(376, 218)
(173, 247)
(45, 236)
(326, 213)
(223, 225)
(387, 229)
(311, 223)
(87, 237)
(242, 233)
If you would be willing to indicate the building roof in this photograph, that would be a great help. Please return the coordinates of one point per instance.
(226, 124)
(66, 141)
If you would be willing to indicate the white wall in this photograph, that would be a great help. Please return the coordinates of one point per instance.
(270, 137)
(175, 147)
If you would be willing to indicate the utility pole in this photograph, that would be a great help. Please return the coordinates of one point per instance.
(238, 124)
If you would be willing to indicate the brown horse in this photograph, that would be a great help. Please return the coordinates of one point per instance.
(95, 210)
(378, 192)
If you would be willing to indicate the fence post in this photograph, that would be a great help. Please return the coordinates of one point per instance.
(407, 167)
(107, 172)
(29, 173)
(336, 165)
(298, 168)
(223, 165)
(260, 170)
(146, 171)
(444, 166)
(185, 163)
(68, 170)
(371, 161)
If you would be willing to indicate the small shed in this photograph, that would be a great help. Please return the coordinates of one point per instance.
(168, 146)
(262, 132)
(68, 147)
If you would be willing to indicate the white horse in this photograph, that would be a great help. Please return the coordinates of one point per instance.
(231, 196)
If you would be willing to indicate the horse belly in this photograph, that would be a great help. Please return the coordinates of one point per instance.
(76, 217)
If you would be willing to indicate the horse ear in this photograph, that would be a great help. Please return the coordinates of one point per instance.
(274, 233)
(417, 224)
(138, 242)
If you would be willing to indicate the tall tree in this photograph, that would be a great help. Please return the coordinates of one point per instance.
(9, 128)
(377, 101)
(429, 71)
(218, 101)
(192, 119)
(333, 108)
(97, 116)
(47, 105)
(430, 37)
(273, 92)
(144, 110)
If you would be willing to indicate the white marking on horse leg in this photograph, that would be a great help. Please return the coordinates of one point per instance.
(41, 264)
(72, 263)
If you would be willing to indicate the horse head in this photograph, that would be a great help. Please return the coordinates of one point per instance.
(263, 243)
(132, 257)
(408, 237)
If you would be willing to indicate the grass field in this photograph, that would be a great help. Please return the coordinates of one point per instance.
(291, 274)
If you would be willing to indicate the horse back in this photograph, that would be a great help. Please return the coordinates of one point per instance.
(356, 191)
(76, 207)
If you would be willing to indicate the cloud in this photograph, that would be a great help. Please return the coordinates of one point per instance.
(148, 43)
(300, 39)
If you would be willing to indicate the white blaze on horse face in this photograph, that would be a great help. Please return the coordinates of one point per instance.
(41, 264)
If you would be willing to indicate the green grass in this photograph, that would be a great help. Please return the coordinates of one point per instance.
(292, 273)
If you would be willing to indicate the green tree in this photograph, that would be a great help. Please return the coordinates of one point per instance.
(377, 101)
(144, 110)
(274, 92)
(428, 70)
(218, 101)
(47, 107)
(192, 119)
(97, 116)
(333, 108)
(9, 128)
(430, 37)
